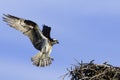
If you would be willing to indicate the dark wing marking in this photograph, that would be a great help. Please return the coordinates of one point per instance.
(18, 23)
(46, 31)
(28, 28)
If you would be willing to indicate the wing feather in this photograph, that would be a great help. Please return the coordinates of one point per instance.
(46, 31)
(17, 23)
(28, 28)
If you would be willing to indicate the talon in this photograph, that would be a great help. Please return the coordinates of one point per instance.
(52, 59)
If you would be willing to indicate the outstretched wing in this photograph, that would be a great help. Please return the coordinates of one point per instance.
(46, 31)
(28, 28)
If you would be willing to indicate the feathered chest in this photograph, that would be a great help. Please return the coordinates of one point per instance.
(48, 48)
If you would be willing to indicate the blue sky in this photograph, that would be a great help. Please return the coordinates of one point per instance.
(86, 30)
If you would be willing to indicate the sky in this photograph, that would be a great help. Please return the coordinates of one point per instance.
(86, 29)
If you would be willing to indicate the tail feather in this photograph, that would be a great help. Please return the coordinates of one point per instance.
(41, 60)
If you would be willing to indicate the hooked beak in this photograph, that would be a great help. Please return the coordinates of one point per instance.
(57, 42)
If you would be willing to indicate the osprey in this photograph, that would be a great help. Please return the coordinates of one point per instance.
(41, 40)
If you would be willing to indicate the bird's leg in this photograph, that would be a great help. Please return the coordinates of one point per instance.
(50, 58)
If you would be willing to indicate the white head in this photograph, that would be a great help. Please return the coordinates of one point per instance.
(54, 41)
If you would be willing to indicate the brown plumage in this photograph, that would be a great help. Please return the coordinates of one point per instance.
(41, 40)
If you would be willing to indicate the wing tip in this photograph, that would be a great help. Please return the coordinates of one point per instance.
(5, 16)
(45, 26)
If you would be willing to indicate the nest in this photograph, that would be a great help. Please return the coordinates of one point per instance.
(92, 71)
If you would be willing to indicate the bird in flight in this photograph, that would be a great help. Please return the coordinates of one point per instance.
(41, 40)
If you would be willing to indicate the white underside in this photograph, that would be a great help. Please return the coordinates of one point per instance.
(42, 58)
